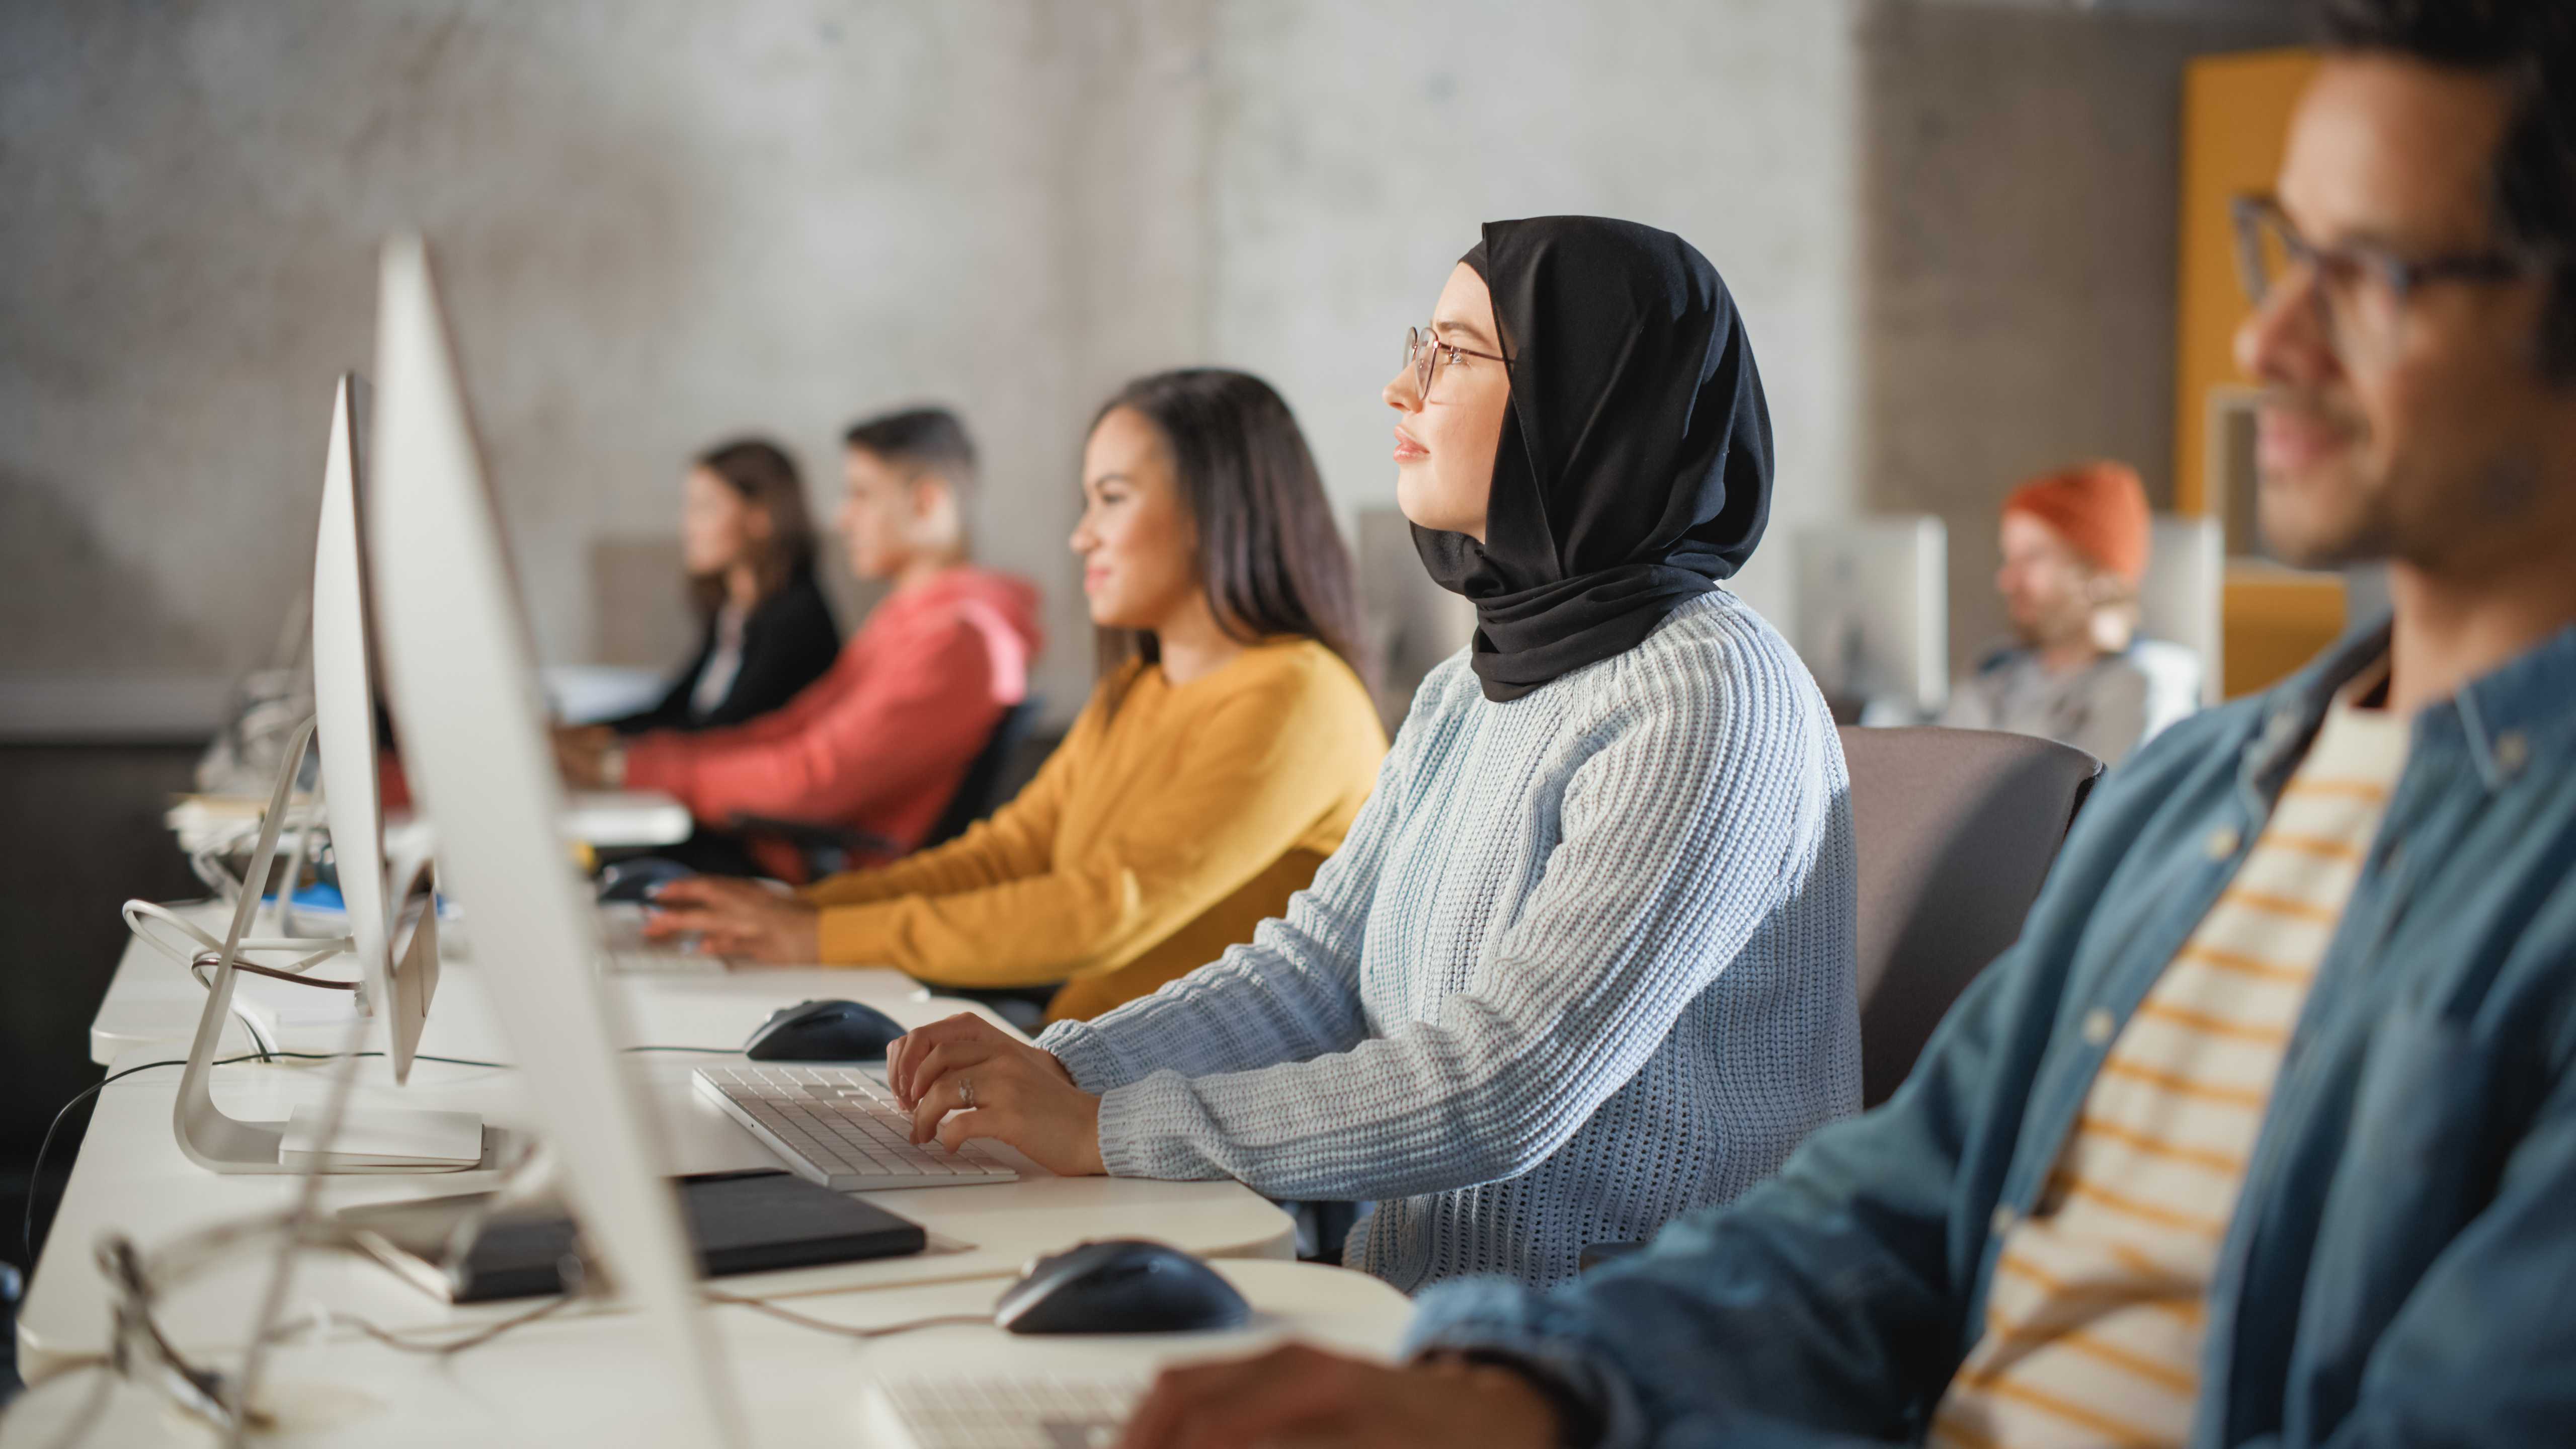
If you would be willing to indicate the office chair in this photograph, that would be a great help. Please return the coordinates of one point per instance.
(1956, 831)
(827, 849)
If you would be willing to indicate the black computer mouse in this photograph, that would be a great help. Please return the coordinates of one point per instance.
(637, 879)
(823, 1031)
(1123, 1285)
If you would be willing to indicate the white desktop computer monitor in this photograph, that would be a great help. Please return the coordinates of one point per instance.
(1874, 613)
(401, 975)
(398, 985)
(2179, 600)
(466, 698)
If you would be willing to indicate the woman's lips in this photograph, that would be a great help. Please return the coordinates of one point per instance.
(1092, 579)
(1406, 450)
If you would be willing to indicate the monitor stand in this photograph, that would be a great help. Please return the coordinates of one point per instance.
(370, 1139)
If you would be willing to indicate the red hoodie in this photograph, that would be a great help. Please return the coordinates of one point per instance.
(880, 743)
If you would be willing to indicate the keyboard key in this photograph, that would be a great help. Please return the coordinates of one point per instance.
(840, 1127)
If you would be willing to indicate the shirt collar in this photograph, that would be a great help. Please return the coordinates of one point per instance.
(2509, 719)
(2520, 714)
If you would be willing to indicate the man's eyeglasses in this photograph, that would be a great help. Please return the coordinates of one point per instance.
(1422, 352)
(2361, 290)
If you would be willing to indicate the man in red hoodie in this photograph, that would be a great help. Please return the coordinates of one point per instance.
(880, 743)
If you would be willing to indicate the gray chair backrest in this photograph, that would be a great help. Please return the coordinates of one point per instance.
(1956, 830)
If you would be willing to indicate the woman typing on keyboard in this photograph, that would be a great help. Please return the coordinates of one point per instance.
(1223, 756)
(1586, 960)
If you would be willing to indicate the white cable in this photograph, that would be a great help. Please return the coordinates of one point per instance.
(138, 912)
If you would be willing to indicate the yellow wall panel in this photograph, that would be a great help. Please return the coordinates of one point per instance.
(2274, 620)
(2236, 119)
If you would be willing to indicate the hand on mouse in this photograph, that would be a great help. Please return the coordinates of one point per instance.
(1303, 1395)
(737, 918)
(1022, 1096)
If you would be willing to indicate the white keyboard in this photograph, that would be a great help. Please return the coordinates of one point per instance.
(630, 953)
(1017, 1411)
(664, 962)
(840, 1127)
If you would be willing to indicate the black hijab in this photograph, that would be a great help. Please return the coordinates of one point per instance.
(1635, 469)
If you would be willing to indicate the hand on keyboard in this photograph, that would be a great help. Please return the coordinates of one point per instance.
(737, 918)
(964, 1078)
(835, 1126)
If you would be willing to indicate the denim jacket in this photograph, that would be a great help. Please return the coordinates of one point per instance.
(2401, 1267)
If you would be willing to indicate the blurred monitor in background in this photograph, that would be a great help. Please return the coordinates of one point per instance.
(749, 548)
(1874, 617)
(2076, 545)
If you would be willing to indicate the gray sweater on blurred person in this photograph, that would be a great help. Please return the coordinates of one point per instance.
(2107, 707)
(1584, 963)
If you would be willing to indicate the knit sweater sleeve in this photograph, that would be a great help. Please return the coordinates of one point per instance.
(1703, 798)
(1290, 994)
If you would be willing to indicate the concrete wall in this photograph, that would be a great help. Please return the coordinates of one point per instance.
(1948, 223)
(2018, 170)
(656, 224)
(1359, 146)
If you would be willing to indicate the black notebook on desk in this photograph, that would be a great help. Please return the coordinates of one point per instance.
(739, 1222)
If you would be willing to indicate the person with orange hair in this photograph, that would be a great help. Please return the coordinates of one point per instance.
(2075, 550)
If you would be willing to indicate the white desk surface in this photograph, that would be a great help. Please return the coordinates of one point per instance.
(610, 819)
(131, 1177)
(152, 1001)
(579, 1381)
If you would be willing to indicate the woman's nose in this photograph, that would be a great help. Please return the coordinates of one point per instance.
(1399, 393)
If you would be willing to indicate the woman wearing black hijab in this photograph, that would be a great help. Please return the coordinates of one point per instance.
(1585, 961)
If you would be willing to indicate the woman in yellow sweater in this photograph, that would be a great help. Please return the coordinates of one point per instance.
(1222, 756)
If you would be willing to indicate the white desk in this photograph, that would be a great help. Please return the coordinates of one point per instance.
(130, 1177)
(573, 1381)
(608, 819)
(151, 1001)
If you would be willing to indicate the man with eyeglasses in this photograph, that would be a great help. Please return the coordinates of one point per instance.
(2265, 1131)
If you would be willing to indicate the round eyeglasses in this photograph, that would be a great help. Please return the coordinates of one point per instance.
(2360, 291)
(1422, 351)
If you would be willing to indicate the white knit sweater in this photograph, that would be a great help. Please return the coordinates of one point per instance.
(1584, 963)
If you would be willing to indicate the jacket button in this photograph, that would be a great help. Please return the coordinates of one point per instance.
(2513, 750)
(2098, 1026)
(2003, 1220)
(2223, 842)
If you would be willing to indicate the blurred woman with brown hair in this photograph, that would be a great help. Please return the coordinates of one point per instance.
(748, 543)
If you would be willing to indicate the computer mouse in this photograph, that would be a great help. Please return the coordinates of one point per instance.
(1123, 1285)
(823, 1031)
(637, 879)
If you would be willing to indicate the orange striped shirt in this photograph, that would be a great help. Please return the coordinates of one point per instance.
(2095, 1315)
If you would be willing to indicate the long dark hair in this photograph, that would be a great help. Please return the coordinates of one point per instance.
(762, 473)
(1269, 556)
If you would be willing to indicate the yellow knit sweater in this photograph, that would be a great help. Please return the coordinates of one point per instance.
(1150, 841)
